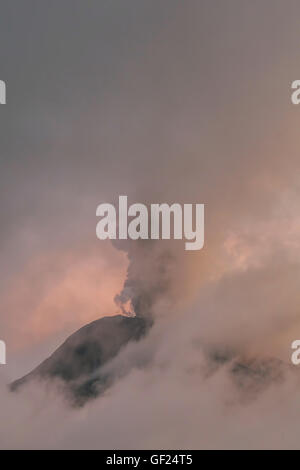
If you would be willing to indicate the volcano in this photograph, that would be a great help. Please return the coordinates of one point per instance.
(77, 364)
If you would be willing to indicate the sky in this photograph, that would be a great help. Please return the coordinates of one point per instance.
(172, 101)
